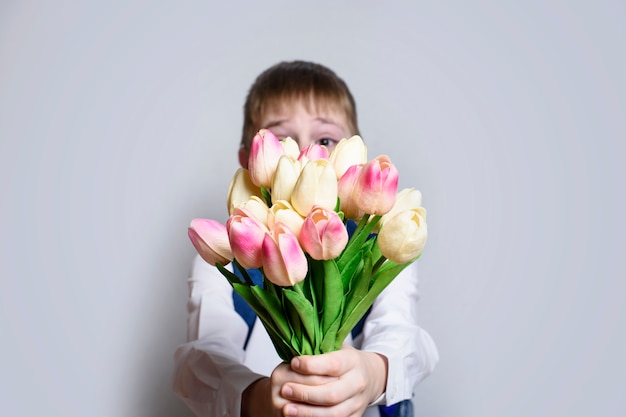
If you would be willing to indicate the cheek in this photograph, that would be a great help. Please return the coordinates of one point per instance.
(243, 158)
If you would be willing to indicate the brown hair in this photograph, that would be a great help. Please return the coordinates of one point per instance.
(286, 82)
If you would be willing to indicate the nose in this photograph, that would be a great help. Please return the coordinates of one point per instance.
(303, 139)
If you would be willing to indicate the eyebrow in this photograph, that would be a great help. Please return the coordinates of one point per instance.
(275, 123)
(327, 121)
(279, 122)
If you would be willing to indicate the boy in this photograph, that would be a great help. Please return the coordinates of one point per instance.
(227, 368)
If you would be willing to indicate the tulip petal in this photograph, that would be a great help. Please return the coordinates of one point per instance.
(241, 189)
(284, 262)
(210, 239)
(403, 236)
(323, 235)
(316, 186)
(347, 153)
(376, 187)
(246, 234)
(265, 151)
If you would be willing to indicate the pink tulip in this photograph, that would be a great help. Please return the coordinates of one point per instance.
(246, 234)
(323, 234)
(284, 262)
(264, 154)
(313, 152)
(376, 187)
(345, 190)
(210, 239)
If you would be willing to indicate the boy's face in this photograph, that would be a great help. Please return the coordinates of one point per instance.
(305, 127)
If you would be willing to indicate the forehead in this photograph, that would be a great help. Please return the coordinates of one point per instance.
(327, 108)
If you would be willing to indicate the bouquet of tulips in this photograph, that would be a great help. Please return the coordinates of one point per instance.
(327, 231)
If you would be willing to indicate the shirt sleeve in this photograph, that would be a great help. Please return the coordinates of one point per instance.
(392, 330)
(209, 374)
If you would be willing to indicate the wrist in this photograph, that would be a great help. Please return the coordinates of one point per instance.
(256, 398)
(377, 363)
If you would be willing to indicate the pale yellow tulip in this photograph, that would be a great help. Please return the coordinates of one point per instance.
(403, 236)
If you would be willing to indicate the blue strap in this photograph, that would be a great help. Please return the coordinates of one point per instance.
(241, 306)
(402, 409)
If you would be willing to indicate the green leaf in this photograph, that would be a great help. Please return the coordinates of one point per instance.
(266, 196)
(232, 278)
(243, 271)
(296, 330)
(305, 311)
(315, 293)
(273, 310)
(329, 341)
(352, 267)
(316, 283)
(284, 349)
(333, 295)
(279, 338)
(360, 288)
(381, 279)
(307, 348)
(358, 239)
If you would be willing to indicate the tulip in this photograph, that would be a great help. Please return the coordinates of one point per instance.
(210, 239)
(282, 212)
(313, 152)
(323, 234)
(375, 189)
(285, 178)
(408, 198)
(246, 234)
(257, 207)
(345, 190)
(316, 186)
(290, 147)
(403, 236)
(241, 189)
(284, 262)
(265, 151)
(347, 153)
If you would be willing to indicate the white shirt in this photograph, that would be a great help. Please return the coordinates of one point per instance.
(212, 369)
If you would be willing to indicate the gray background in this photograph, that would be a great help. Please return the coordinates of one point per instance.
(119, 123)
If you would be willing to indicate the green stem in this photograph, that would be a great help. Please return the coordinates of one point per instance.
(361, 225)
(266, 196)
(359, 237)
(243, 271)
(378, 264)
(298, 288)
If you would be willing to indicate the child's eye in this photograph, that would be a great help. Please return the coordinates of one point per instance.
(328, 142)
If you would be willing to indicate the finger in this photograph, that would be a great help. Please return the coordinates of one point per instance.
(284, 374)
(312, 380)
(333, 364)
(306, 410)
(327, 395)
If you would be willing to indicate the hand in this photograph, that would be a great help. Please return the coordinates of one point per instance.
(337, 383)
(262, 398)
